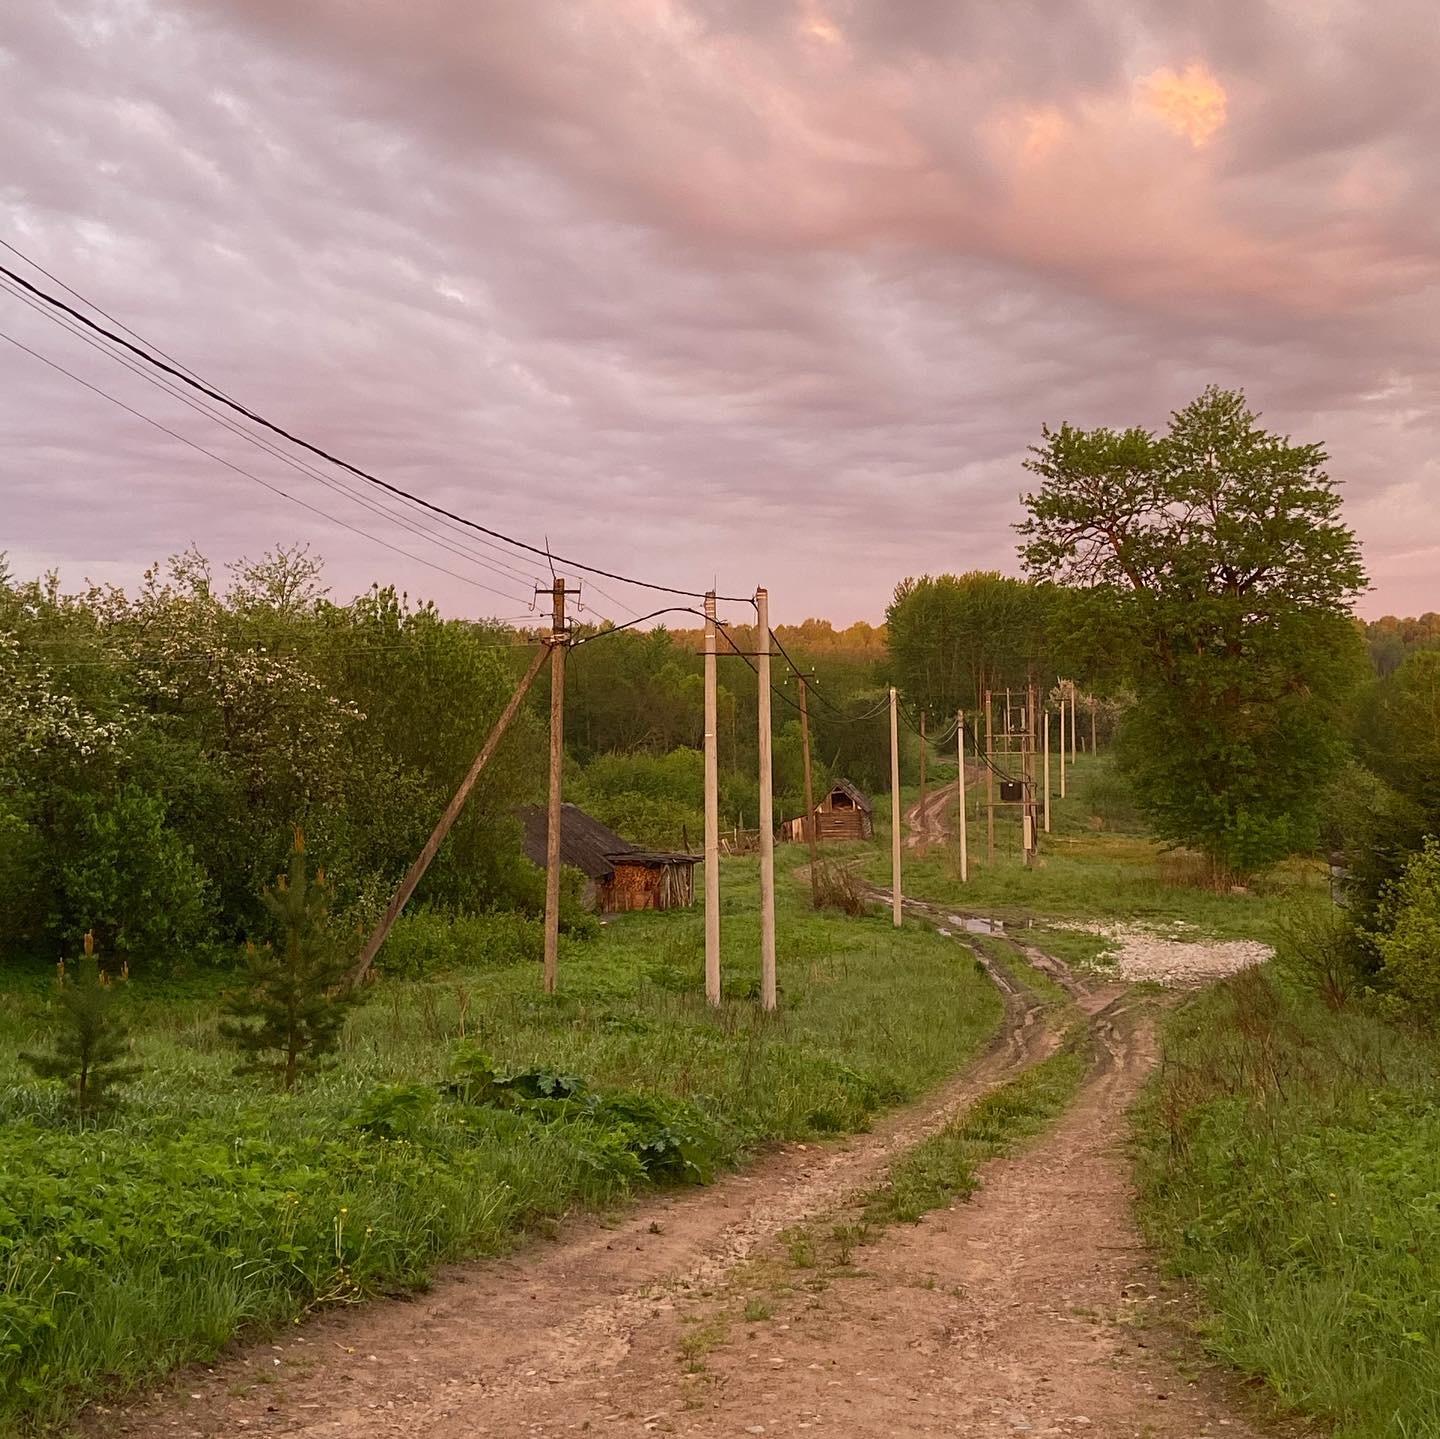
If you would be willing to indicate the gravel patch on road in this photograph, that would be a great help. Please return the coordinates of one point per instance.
(1166, 957)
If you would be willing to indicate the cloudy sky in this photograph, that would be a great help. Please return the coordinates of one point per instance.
(763, 291)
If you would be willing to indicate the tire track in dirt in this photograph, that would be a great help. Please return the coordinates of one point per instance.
(1027, 1310)
(500, 1336)
(928, 820)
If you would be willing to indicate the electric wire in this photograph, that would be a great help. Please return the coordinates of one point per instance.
(507, 571)
(250, 475)
(320, 452)
(150, 344)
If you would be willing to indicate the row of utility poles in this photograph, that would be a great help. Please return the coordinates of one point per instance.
(1011, 755)
(1014, 743)
(555, 647)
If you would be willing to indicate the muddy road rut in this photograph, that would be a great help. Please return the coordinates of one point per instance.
(1023, 1311)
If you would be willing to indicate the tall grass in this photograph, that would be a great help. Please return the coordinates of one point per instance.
(1290, 1166)
(211, 1205)
(1087, 874)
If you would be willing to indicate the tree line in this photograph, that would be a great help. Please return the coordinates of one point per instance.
(159, 748)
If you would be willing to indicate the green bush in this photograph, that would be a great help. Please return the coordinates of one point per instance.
(91, 1046)
(1408, 937)
(1318, 947)
(1107, 796)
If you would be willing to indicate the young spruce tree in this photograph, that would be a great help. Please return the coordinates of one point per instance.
(92, 1042)
(290, 1017)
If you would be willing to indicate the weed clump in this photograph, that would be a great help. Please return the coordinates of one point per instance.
(838, 886)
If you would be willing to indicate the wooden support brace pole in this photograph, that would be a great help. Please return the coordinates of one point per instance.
(417, 870)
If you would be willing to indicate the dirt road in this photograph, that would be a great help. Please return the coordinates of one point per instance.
(1024, 1311)
(927, 823)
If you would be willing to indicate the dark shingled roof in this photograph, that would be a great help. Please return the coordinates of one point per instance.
(585, 843)
(861, 800)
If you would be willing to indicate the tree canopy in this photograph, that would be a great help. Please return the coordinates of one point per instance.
(1213, 561)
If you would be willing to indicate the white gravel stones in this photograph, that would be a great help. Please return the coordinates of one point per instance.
(1165, 957)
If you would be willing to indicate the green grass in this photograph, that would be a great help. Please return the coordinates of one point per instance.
(943, 1167)
(211, 1205)
(1289, 1159)
(1089, 874)
(1009, 957)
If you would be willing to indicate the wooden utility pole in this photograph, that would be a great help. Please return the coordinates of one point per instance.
(810, 821)
(416, 872)
(1093, 747)
(920, 810)
(964, 837)
(1045, 720)
(1029, 838)
(989, 778)
(553, 816)
(712, 814)
(767, 811)
(1062, 744)
(896, 903)
(1074, 725)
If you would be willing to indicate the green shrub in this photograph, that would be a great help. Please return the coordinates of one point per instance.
(1408, 937)
(1107, 796)
(1317, 946)
(289, 1017)
(91, 1050)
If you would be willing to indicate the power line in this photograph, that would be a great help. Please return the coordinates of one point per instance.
(250, 475)
(179, 374)
(508, 571)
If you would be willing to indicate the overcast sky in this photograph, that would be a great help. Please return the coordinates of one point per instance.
(769, 291)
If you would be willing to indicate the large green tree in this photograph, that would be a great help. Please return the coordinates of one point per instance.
(1216, 566)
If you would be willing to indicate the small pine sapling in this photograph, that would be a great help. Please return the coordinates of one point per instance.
(290, 1016)
(91, 1047)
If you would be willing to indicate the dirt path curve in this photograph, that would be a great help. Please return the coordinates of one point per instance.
(495, 1339)
(1021, 1312)
(1026, 1311)
(928, 823)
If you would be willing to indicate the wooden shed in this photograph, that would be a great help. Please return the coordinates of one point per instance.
(620, 876)
(844, 813)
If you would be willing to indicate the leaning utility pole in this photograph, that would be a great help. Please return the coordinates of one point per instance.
(557, 764)
(712, 814)
(896, 903)
(964, 837)
(767, 811)
(810, 820)
(416, 872)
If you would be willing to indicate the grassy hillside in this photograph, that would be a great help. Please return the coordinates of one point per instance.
(211, 1203)
(1290, 1166)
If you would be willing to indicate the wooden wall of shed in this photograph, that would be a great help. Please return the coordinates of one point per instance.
(834, 824)
(642, 886)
